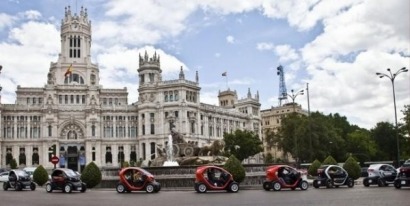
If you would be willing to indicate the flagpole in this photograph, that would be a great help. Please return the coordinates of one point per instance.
(226, 78)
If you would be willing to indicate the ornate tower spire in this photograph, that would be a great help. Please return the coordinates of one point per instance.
(181, 74)
(249, 93)
(197, 77)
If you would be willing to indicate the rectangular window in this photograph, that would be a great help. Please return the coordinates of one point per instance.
(152, 129)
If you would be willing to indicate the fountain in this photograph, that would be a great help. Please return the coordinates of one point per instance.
(170, 153)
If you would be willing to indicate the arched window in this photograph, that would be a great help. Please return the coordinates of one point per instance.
(74, 78)
(93, 130)
(108, 155)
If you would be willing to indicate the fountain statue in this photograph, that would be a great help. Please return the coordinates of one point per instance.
(170, 153)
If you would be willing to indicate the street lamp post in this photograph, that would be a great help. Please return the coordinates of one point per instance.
(392, 76)
(293, 97)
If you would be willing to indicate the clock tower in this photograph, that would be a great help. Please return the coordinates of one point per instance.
(74, 64)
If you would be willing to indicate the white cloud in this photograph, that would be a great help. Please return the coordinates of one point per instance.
(230, 39)
(265, 46)
(32, 15)
(286, 53)
(217, 55)
(5, 20)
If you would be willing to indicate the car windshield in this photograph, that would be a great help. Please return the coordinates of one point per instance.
(71, 173)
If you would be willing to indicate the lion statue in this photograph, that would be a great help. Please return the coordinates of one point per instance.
(215, 149)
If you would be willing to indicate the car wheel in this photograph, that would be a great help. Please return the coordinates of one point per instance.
(267, 186)
(201, 188)
(366, 183)
(277, 186)
(234, 187)
(380, 182)
(304, 185)
(397, 184)
(120, 188)
(67, 188)
(329, 183)
(17, 186)
(49, 188)
(350, 182)
(33, 186)
(5, 186)
(83, 187)
(315, 184)
(149, 188)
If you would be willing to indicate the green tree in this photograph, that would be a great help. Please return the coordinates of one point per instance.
(313, 167)
(329, 161)
(360, 144)
(40, 175)
(384, 136)
(406, 118)
(234, 166)
(13, 164)
(309, 138)
(91, 175)
(352, 168)
(242, 144)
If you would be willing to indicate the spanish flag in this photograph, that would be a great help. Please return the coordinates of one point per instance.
(69, 70)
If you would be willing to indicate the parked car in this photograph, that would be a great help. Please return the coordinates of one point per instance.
(380, 174)
(283, 176)
(214, 178)
(403, 178)
(137, 179)
(4, 176)
(332, 175)
(19, 180)
(66, 180)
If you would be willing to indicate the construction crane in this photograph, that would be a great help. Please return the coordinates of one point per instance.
(283, 94)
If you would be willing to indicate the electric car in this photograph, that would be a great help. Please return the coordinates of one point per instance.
(19, 180)
(283, 176)
(214, 178)
(380, 174)
(66, 180)
(332, 175)
(137, 179)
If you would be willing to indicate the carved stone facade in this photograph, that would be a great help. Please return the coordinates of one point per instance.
(77, 119)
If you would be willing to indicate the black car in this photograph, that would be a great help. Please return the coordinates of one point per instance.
(403, 178)
(19, 180)
(66, 180)
(380, 174)
(332, 175)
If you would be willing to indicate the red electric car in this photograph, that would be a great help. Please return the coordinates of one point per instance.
(283, 176)
(137, 179)
(214, 178)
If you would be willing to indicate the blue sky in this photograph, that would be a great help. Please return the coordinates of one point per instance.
(335, 46)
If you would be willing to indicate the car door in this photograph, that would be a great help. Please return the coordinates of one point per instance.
(389, 173)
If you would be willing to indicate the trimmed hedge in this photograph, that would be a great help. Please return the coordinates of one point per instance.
(329, 161)
(352, 168)
(313, 167)
(234, 166)
(91, 175)
(40, 175)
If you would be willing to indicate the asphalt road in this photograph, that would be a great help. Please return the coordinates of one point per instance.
(358, 195)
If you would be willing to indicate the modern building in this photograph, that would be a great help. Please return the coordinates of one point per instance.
(78, 120)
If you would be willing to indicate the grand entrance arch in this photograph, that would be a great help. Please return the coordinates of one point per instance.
(72, 147)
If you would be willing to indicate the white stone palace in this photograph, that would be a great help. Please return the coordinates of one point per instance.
(76, 119)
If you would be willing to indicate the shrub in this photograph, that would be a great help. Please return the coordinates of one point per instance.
(313, 167)
(13, 164)
(40, 175)
(125, 164)
(352, 168)
(234, 166)
(91, 175)
(269, 158)
(329, 161)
